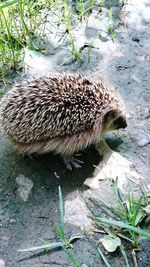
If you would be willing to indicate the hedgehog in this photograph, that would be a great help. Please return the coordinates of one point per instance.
(61, 113)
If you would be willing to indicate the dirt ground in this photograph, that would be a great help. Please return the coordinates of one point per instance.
(126, 64)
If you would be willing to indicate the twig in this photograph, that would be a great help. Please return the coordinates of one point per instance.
(134, 258)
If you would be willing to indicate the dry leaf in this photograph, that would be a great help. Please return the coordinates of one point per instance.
(110, 243)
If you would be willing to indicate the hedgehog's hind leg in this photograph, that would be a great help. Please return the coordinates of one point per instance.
(72, 162)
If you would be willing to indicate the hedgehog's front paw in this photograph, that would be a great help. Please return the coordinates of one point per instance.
(72, 162)
(31, 156)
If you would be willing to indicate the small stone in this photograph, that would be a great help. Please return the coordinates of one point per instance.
(2, 263)
(24, 185)
(12, 221)
(143, 138)
(135, 78)
(147, 111)
(136, 39)
(113, 165)
(129, 115)
(77, 212)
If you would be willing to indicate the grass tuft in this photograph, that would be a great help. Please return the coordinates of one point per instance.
(64, 243)
(130, 213)
(67, 21)
(23, 21)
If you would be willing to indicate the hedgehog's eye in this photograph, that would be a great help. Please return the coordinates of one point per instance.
(109, 116)
(120, 123)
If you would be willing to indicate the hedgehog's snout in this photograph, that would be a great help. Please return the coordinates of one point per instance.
(121, 123)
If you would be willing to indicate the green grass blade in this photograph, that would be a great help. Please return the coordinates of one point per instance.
(61, 212)
(121, 224)
(131, 203)
(73, 260)
(90, 45)
(59, 233)
(138, 206)
(124, 255)
(118, 194)
(6, 4)
(103, 257)
(49, 246)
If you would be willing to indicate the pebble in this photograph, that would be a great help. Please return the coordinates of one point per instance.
(12, 221)
(135, 78)
(147, 111)
(77, 212)
(129, 116)
(2, 263)
(24, 186)
(143, 138)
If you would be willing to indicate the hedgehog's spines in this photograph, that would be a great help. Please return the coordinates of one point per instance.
(60, 112)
